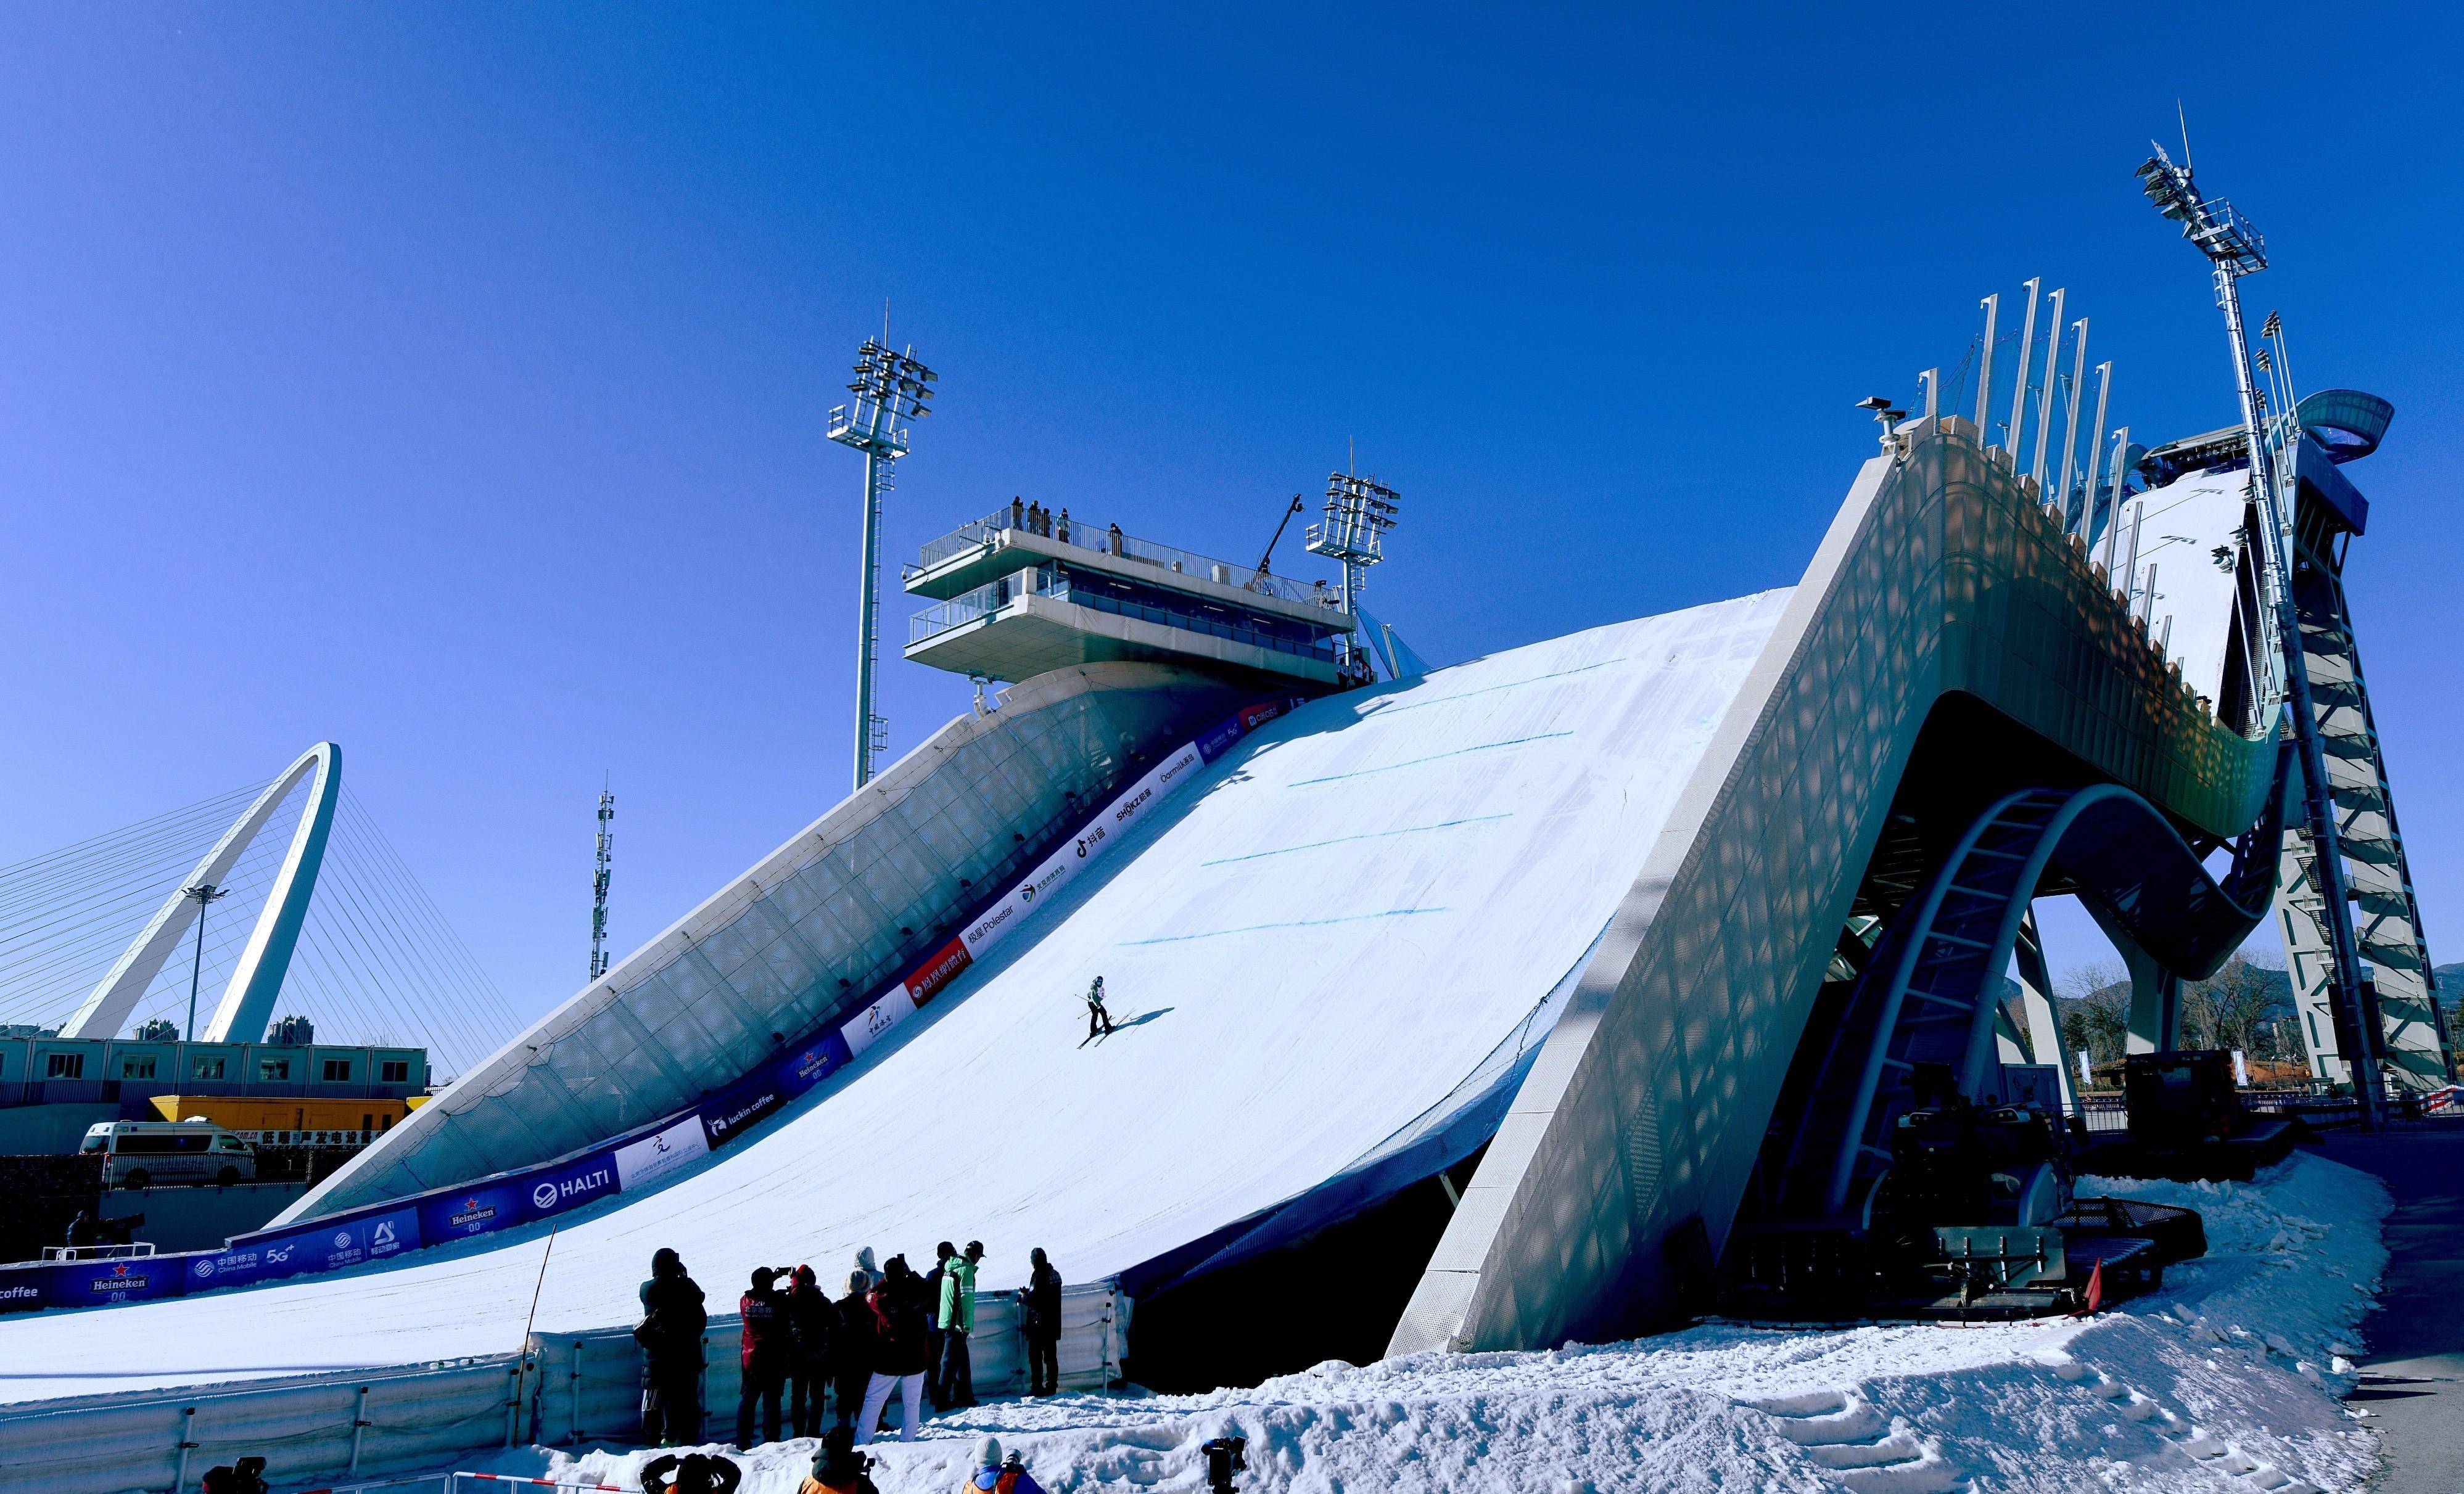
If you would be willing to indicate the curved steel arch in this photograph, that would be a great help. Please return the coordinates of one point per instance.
(1932, 991)
(249, 999)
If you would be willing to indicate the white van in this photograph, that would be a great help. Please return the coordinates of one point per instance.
(145, 1153)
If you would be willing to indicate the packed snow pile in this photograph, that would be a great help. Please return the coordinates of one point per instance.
(2228, 1379)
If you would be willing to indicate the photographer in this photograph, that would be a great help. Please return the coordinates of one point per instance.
(838, 1468)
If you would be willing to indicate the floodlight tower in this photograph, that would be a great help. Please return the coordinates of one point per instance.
(598, 887)
(2234, 248)
(1358, 513)
(889, 389)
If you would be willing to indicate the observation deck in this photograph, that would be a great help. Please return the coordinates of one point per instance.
(1020, 593)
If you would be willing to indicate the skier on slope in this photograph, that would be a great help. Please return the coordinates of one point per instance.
(1098, 1019)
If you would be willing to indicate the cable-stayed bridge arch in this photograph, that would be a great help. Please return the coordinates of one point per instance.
(247, 998)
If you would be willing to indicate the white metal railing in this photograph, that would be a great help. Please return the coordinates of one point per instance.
(1110, 539)
(561, 1389)
(130, 1252)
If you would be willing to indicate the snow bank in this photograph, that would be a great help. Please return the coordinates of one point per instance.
(2228, 1379)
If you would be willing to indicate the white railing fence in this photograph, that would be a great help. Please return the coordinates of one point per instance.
(566, 1389)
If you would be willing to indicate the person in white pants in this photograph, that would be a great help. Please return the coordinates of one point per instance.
(876, 1399)
(901, 1350)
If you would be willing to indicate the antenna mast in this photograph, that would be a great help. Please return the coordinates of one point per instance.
(598, 887)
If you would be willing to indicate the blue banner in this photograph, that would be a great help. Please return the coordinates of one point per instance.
(553, 1189)
(476, 1211)
(86, 1284)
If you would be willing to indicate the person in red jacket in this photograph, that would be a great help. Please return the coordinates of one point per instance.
(901, 1351)
(769, 1353)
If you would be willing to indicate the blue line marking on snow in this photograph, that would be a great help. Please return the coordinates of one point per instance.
(1345, 840)
(1490, 690)
(1414, 763)
(1303, 923)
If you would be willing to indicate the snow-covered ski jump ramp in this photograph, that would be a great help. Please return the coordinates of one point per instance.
(1575, 898)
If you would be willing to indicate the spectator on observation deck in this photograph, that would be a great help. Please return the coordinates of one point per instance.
(812, 1324)
(901, 1349)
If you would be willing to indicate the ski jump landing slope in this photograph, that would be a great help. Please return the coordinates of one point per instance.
(1348, 930)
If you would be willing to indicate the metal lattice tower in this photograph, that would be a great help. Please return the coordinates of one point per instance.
(890, 389)
(598, 887)
(2234, 248)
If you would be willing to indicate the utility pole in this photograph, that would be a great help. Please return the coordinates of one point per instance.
(598, 887)
(204, 894)
(890, 389)
(2234, 250)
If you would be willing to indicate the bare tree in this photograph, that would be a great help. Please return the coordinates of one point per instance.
(2230, 1009)
(2096, 1010)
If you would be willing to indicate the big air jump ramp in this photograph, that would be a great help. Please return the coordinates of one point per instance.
(1564, 907)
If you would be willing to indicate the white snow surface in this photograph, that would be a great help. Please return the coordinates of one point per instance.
(2228, 1379)
(1315, 945)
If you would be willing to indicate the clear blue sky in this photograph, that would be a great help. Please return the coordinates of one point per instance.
(449, 380)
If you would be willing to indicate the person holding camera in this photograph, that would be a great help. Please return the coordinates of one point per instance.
(838, 1468)
(769, 1353)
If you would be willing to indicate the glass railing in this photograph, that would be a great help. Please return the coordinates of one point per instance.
(1109, 539)
(1052, 581)
(985, 601)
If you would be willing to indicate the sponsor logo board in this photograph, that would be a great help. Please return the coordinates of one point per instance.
(730, 1113)
(938, 971)
(572, 1185)
(868, 1025)
(640, 1163)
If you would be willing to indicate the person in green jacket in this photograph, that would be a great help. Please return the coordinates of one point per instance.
(957, 1319)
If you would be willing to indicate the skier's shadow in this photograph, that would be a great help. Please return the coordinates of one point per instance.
(1140, 1020)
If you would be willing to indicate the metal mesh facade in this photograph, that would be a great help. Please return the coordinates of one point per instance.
(809, 932)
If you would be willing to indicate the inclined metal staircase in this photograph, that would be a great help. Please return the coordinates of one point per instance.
(2387, 914)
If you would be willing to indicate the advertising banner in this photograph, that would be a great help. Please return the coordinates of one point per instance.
(639, 1163)
(84, 1284)
(553, 1191)
(867, 1026)
(338, 1244)
(746, 1103)
(813, 1063)
(473, 1211)
(25, 1287)
(937, 971)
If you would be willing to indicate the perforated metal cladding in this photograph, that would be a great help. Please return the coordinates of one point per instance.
(814, 930)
